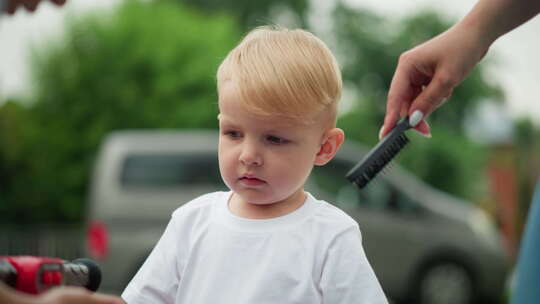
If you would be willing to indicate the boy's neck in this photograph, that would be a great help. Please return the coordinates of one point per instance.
(244, 209)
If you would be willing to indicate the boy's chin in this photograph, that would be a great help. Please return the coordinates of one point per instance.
(258, 198)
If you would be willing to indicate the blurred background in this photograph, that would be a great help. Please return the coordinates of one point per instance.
(71, 75)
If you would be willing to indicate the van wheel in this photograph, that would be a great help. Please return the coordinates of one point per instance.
(445, 283)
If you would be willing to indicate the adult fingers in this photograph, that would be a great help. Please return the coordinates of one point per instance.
(58, 2)
(30, 4)
(423, 128)
(11, 7)
(70, 295)
(435, 93)
(399, 92)
(404, 109)
(105, 299)
(392, 114)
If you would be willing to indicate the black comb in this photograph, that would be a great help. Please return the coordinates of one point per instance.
(380, 155)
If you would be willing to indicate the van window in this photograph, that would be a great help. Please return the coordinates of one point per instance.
(170, 170)
(331, 177)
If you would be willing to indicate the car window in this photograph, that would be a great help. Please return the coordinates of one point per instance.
(377, 194)
(170, 170)
(403, 203)
(330, 178)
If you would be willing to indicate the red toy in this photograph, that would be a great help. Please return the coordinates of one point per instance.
(34, 275)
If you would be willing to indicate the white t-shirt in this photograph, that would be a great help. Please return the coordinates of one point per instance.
(207, 255)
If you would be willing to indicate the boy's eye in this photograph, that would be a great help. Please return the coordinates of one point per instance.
(232, 134)
(276, 140)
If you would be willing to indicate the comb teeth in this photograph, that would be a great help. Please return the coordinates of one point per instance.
(379, 156)
(376, 163)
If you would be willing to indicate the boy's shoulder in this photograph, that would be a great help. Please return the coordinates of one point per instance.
(201, 204)
(328, 214)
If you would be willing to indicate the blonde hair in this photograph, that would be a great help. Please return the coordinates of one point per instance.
(290, 73)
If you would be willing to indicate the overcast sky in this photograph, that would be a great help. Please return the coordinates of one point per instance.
(517, 54)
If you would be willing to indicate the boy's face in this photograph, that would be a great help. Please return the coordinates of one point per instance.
(264, 159)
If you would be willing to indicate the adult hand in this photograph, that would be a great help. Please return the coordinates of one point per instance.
(427, 74)
(58, 295)
(30, 5)
(75, 295)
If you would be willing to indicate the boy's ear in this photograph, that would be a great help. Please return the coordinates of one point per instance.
(332, 140)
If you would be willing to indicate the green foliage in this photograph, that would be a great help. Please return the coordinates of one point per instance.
(449, 162)
(251, 13)
(145, 65)
(12, 166)
(152, 65)
(369, 47)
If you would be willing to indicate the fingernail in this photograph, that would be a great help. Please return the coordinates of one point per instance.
(428, 135)
(380, 132)
(415, 118)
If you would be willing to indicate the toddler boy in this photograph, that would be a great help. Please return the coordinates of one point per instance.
(266, 240)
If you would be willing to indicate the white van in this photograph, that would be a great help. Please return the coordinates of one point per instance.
(424, 245)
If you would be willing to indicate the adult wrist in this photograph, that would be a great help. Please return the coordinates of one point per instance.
(479, 37)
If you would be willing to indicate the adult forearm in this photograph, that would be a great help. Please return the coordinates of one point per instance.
(8, 295)
(491, 19)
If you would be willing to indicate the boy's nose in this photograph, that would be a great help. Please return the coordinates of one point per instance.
(250, 155)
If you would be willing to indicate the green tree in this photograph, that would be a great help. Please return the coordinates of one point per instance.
(145, 65)
(152, 65)
(254, 13)
(14, 170)
(369, 47)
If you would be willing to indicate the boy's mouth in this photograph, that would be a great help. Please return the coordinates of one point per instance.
(251, 180)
